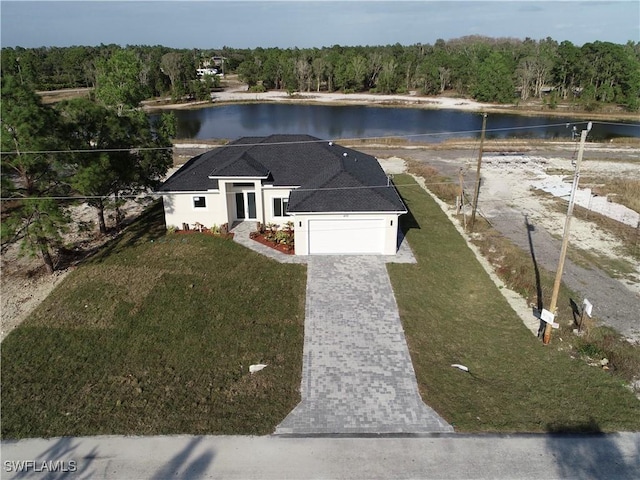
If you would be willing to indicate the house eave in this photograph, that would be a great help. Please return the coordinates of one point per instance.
(363, 212)
(187, 192)
(237, 179)
(281, 187)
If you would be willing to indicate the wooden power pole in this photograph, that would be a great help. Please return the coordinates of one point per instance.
(461, 205)
(477, 191)
(565, 237)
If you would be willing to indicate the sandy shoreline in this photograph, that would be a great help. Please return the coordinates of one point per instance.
(241, 95)
(412, 100)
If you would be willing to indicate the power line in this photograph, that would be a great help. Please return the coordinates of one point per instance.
(300, 142)
(88, 150)
(159, 194)
(618, 124)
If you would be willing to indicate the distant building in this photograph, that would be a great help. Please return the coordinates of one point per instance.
(208, 71)
(211, 66)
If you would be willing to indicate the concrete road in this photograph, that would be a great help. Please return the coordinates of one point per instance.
(441, 456)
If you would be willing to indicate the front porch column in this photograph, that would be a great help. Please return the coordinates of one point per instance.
(222, 187)
(259, 201)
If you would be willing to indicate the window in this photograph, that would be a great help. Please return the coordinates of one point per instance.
(199, 202)
(280, 207)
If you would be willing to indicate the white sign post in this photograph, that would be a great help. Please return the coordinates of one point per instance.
(587, 308)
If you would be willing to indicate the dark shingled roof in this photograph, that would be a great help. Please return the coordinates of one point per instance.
(331, 178)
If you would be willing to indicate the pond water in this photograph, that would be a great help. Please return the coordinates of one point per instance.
(357, 121)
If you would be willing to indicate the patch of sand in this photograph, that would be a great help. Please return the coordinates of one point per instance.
(241, 94)
(24, 281)
(507, 184)
(508, 181)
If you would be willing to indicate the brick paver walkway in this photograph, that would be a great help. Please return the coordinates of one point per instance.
(357, 374)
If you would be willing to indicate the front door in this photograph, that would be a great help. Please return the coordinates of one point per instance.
(246, 205)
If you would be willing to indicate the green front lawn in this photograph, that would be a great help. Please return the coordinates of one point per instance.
(453, 313)
(155, 335)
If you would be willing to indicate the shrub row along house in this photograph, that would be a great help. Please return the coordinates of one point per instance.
(339, 200)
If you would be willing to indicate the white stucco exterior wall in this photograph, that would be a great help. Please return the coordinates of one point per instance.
(179, 208)
(389, 220)
(269, 195)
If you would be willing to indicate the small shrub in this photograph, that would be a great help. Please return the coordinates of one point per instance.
(172, 229)
(270, 230)
(282, 237)
(289, 226)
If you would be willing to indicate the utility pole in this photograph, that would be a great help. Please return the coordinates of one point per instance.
(477, 192)
(461, 207)
(565, 238)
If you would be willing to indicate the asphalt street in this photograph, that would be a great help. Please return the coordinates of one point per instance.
(439, 456)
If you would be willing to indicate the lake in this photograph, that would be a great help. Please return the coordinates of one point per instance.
(357, 121)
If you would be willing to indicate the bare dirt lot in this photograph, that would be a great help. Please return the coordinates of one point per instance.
(513, 175)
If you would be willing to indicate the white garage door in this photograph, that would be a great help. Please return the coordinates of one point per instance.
(346, 236)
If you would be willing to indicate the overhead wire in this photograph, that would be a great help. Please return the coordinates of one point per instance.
(300, 142)
(452, 182)
(159, 194)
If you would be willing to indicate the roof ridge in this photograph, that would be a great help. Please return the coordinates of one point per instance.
(251, 160)
(233, 159)
(242, 154)
(311, 188)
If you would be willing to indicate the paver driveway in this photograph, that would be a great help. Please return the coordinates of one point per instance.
(357, 374)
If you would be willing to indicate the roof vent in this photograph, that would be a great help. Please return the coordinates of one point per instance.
(344, 154)
(331, 144)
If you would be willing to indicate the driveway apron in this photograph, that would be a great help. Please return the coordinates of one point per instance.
(357, 373)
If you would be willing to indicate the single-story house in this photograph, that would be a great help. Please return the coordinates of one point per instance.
(339, 200)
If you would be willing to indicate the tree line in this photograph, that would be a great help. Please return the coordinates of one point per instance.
(486, 69)
(161, 70)
(98, 150)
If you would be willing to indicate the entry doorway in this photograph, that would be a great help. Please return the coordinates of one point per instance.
(246, 206)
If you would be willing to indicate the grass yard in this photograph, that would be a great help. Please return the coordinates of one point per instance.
(453, 313)
(154, 335)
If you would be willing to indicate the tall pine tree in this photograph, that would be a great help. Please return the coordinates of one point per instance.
(32, 173)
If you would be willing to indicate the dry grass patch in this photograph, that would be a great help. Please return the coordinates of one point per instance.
(437, 183)
(625, 191)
